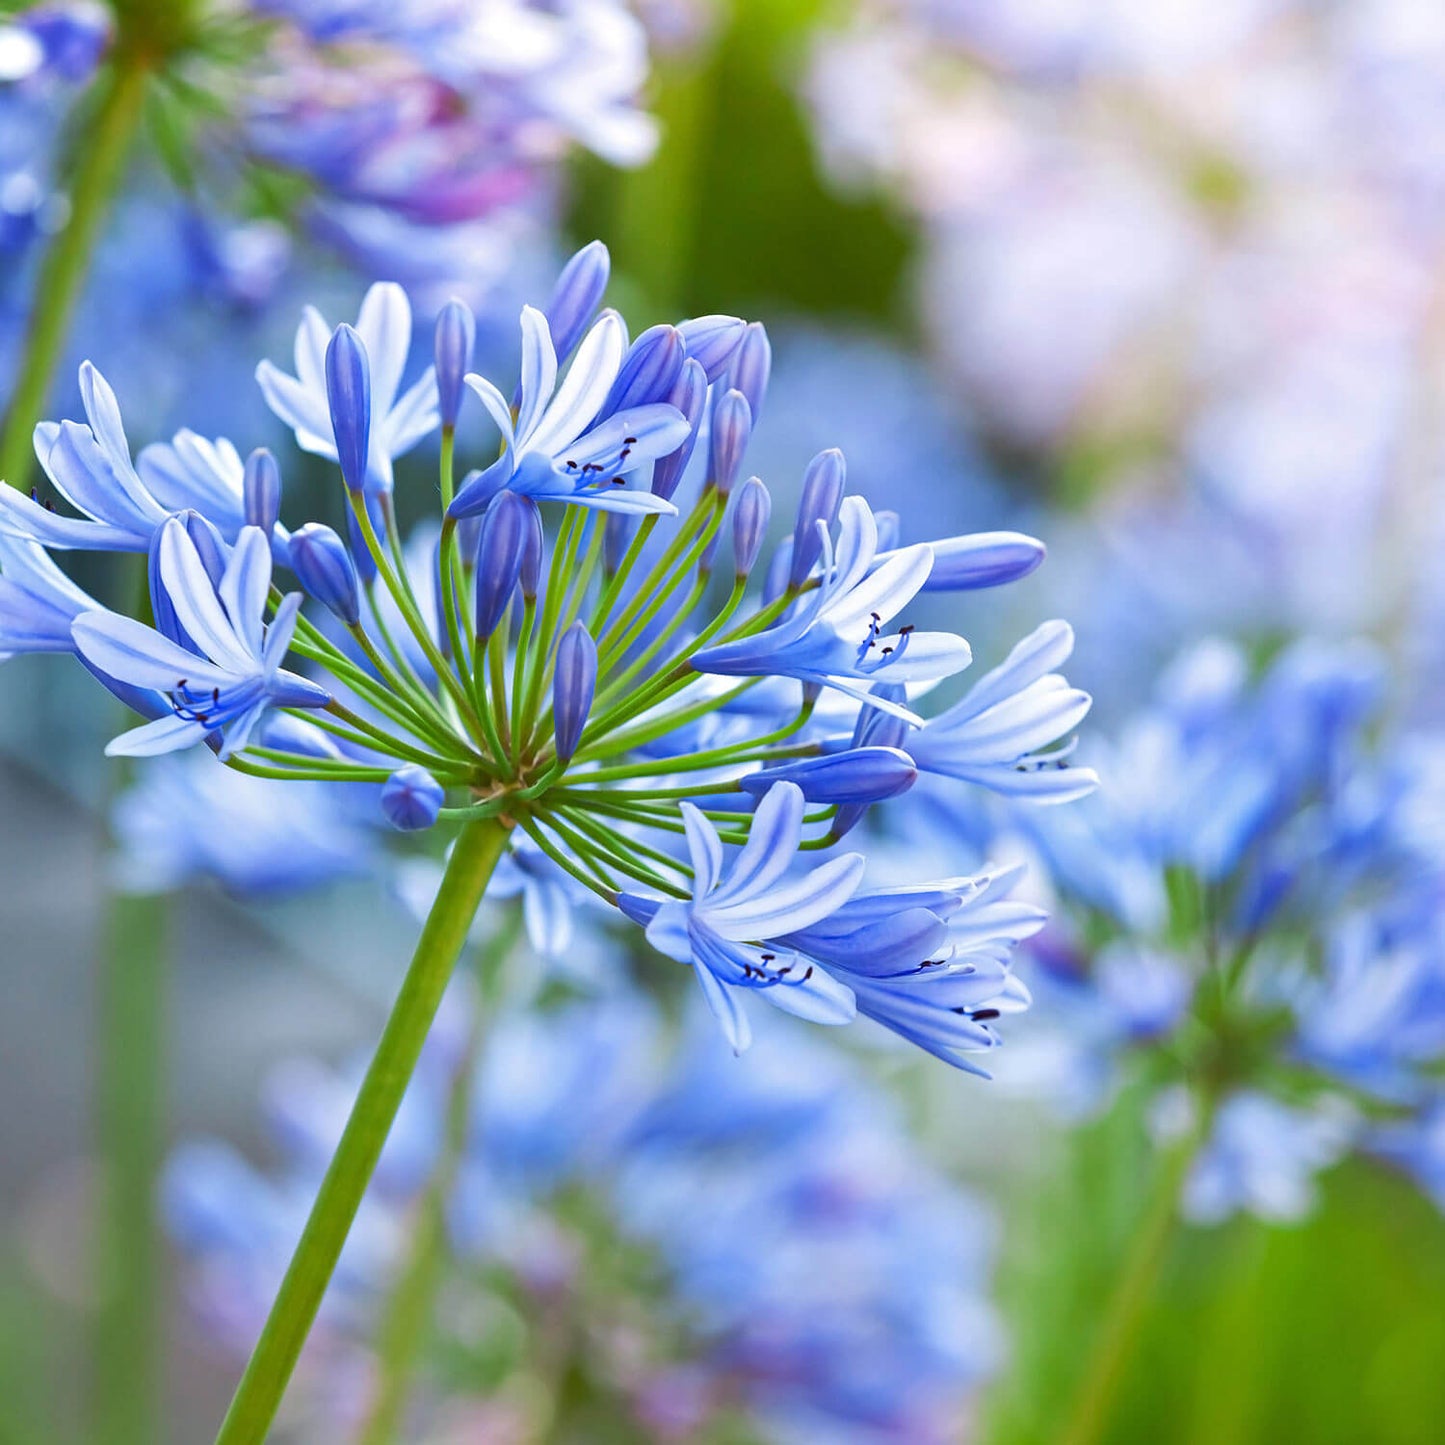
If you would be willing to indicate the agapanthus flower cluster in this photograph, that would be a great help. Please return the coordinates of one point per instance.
(1179, 240)
(1255, 922)
(693, 1248)
(564, 654)
(419, 142)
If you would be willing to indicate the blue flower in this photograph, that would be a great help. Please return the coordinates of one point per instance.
(834, 637)
(930, 961)
(398, 422)
(994, 734)
(237, 678)
(724, 931)
(557, 448)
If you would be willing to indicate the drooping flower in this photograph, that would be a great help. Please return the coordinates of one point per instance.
(227, 686)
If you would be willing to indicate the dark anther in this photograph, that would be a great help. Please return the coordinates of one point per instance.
(982, 1015)
(34, 495)
(215, 697)
(875, 617)
(626, 452)
(768, 957)
(904, 631)
(618, 482)
(571, 466)
(807, 975)
(629, 441)
(886, 651)
(49, 505)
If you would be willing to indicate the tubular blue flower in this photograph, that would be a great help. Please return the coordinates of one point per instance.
(732, 426)
(261, 491)
(752, 364)
(930, 962)
(412, 799)
(348, 399)
(752, 511)
(649, 371)
(859, 775)
(573, 685)
(90, 466)
(236, 678)
(322, 563)
(823, 486)
(689, 396)
(834, 638)
(397, 423)
(533, 547)
(507, 532)
(724, 931)
(553, 451)
(455, 340)
(981, 559)
(712, 341)
(576, 296)
(993, 735)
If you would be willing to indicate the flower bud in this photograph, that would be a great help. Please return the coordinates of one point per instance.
(348, 393)
(505, 529)
(530, 575)
(821, 498)
(573, 685)
(751, 513)
(859, 775)
(732, 428)
(412, 799)
(982, 559)
(213, 553)
(689, 396)
(456, 336)
(712, 341)
(576, 295)
(752, 365)
(323, 565)
(261, 491)
(874, 729)
(649, 371)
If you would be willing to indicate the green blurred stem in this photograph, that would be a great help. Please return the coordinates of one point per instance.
(103, 152)
(131, 1120)
(258, 1396)
(1093, 1403)
(406, 1316)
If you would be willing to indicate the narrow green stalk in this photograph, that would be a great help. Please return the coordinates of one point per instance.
(1094, 1400)
(103, 153)
(475, 855)
(406, 1316)
(131, 1136)
(598, 883)
(558, 572)
(618, 580)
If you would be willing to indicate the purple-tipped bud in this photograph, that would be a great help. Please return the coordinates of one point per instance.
(348, 392)
(822, 495)
(752, 366)
(505, 529)
(649, 371)
(890, 528)
(573, 685)
(713, 341)
(617, 534)
(323, 565)
(860, 775)
(261, 491)
(576, 296)
(779, 567)
(412, 799)
(752, 512)
(732, 428)
(530, 575)
(456, 336)
(689, 396)
(982, 559)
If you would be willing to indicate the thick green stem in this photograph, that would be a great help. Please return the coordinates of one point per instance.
(62, 272)
(406, 1318)
(258, 1396)
(131, 1112)
(1094, 1400)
